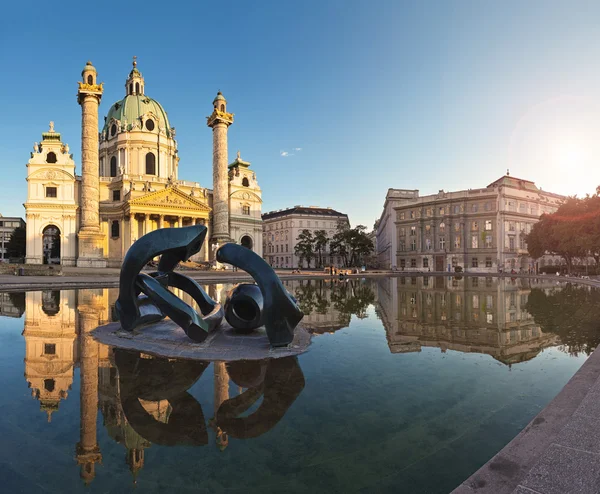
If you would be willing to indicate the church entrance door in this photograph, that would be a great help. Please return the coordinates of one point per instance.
(246, 242)
(439, 263)
(51, 244)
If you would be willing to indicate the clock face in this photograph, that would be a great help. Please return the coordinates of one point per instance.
(113, 130)
(150, 124)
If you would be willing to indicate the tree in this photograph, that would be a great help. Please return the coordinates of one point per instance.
(566, 233)
(320, 243)
(351, 244)
(16, 244)
(304, 247)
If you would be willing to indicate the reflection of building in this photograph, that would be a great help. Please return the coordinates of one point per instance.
(129, 183)
(7, 227)
(12, 304)
(281, 229)
(470, 314)
(480, 230)
(50, 346)
(57, 340)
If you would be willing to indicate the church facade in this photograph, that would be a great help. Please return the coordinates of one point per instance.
(129, 184)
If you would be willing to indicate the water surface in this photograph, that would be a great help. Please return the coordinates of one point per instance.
(410, 385)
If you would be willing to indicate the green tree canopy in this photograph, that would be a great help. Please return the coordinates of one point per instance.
(304, 248)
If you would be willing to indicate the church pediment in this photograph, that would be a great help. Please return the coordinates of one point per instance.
(51, 174)
(245, 195)
(170, 197)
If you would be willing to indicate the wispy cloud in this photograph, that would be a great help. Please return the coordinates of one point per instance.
(285, 154)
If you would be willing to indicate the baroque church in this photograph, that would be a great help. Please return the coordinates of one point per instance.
(129, 183)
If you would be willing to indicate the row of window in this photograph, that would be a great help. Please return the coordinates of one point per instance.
(150, 165)
(272, 249)
(425, 262)
(429, 245)
(309, 223)
(443, 210)
(487, 226)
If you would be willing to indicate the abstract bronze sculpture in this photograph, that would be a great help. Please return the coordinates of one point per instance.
(145, 298)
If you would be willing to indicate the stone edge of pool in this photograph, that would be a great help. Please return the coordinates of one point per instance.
(9, 283)
(558, 451)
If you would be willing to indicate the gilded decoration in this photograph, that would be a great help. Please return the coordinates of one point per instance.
(171, 198)
(96, 88)
(219, 115)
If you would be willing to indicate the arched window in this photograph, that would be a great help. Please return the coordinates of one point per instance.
(245, 182)
(246, 210)
(222, 107)
(51, 157)
(113, 166)
(114, 229)
(137, 88)
(150, 164)
(90, 79)
(131, 88)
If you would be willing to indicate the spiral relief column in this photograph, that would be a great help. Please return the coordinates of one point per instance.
(220, 121)
(91, 239)
(87, 451)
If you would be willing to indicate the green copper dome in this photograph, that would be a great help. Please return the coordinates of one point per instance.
(219, 97)
(131, 108)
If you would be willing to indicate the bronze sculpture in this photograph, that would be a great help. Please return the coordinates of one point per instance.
(146, 298)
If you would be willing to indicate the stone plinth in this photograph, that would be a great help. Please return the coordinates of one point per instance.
(167, 339)
(91, 251)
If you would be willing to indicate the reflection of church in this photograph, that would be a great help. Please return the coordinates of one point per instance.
(466, 314)
(57, 333)
(130, 183)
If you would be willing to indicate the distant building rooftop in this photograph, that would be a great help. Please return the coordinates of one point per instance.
(304, 210)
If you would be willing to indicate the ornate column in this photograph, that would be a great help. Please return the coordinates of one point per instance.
(132, 229)
(220, 121)
(88, 452)
(179, 221)
(147, 224)
(161, 218)
(91, 239)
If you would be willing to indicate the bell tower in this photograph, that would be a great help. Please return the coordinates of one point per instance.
(91, 238)
(220, 121)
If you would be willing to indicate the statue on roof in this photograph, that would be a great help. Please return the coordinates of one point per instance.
(36, 147)
(51, 126)
(238, 156)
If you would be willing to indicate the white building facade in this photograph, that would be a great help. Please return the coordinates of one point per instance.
(130, 185)
(281, 229)
(476, 230)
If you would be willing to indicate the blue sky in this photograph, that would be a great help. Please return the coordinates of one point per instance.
(375, 94)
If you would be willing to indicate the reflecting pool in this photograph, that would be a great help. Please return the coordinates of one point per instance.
(409, 385)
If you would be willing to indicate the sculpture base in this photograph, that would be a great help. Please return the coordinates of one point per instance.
(91, 251)
(167, 339)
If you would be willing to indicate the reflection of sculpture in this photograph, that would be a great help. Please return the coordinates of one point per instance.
(269, 302)
(283, 381)
(159, 379)
(278, 381)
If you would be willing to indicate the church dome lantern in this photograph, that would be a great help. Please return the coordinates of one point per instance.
(88, 74)
(136, 111)
(220, 103)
